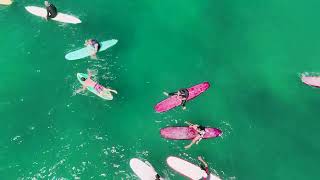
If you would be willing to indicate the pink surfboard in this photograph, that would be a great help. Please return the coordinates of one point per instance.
(311, 80)
(183, 133)
(174, 101)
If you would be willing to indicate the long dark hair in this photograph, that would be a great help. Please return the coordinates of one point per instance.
(202, 128)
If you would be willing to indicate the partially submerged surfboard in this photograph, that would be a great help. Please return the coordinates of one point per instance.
(107, 95)
(311, 80)
(175, 101)
(184, 133)
(87, 51)
(188, 169)
(42, 12)
(5, 2)
(142, 170)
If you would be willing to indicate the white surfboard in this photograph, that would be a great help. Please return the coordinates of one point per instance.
(5, 2)
(142, 170)
(42, 12)
(188, 169)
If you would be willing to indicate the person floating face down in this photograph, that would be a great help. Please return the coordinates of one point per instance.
(183, 94)
(204, 167)
(200, 130)
(88, 82)
(95, 45)
(51, 10)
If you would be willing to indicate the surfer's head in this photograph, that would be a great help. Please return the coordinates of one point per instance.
(83, 79)
(157, 177)
(202, 167)
(202, 128)
(46, 3)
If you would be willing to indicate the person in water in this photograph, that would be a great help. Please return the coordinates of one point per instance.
(204, 167)
(183, 94)
(51, 10)
(95, 45)
(88, 82)
(157, 177)
(200, 130)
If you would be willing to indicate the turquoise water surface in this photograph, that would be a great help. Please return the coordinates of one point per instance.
(252, 53)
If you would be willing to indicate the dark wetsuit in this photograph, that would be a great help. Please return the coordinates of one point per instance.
(51, 11)
(94, 42)
(183, 93)
(202, 130)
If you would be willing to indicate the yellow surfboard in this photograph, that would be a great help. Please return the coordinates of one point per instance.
(5, 2)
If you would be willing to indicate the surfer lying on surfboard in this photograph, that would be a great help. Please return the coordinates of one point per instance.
(95, 45)
(88, 82)
(51, 10)
(200, 130)
(183, 94)
(204, 166)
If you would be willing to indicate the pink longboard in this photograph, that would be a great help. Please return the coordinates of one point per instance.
(311, 80)
(175, 101)
(182, 133)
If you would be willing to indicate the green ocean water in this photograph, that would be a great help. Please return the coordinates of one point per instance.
(252, 53)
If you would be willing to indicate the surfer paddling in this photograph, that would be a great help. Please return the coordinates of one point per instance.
(182, 94)
(200, 130)
(95, 45)
(204, 167)
(88, 82)
(51, 10)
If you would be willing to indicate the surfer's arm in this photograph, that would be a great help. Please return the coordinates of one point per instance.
(48, 12)
(114, 91)
(111, 90)
(81, 89)
(194, 140)
(203, 162)
(96, 46)
(89, 74)
(172, 94)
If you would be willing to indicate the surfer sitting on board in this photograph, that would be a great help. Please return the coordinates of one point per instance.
(183, 94)
(200, 130)
(94, 44)
(51, 10)
(88, 82)
(204, 166)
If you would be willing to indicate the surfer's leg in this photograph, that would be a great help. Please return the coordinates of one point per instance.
(105, 92)
(114, 91)
(170, 94)
(194, 140)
